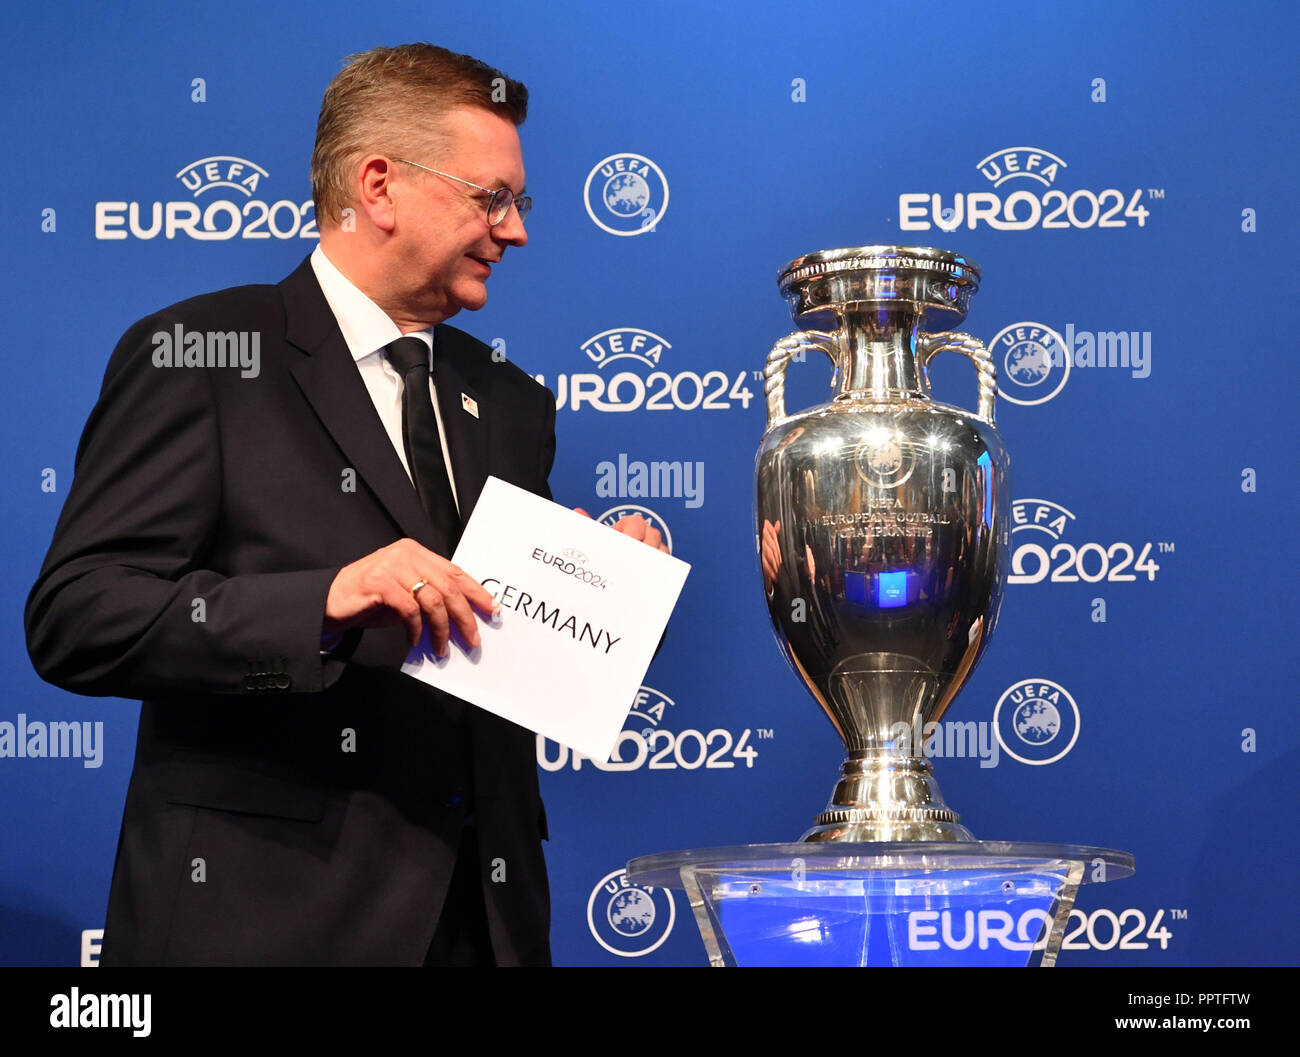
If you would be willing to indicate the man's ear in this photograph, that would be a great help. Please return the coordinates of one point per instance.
(377, 192)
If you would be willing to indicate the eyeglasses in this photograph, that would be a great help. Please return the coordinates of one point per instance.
(499, 202)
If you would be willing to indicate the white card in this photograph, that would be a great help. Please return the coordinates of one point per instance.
(583, 608)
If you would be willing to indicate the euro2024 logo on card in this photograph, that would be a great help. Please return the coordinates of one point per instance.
(628, 919)
(626, 194)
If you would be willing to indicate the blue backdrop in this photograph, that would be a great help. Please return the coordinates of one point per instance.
(1125, 178)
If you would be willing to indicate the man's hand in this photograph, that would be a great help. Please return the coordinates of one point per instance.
(637, 527)
(375, 592)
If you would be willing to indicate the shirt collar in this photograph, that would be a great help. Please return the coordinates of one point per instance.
(366, 327)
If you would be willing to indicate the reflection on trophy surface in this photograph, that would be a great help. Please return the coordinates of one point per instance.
(883, 523)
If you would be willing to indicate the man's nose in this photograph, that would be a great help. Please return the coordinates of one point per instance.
(511, 229)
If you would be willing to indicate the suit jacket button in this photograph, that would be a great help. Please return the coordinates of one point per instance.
(283, 681)
(249, 683)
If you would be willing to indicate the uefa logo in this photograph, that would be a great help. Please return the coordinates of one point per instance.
(616, 514)
(1030, 163)
(222, 170)
(882, 460)
(627, 919)
(1033, 363)
(1036, 721)
(626, 194)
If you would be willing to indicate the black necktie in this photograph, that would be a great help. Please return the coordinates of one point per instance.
(410, 357)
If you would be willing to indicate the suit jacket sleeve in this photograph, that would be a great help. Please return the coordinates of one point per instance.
(547, 459)
(125, 604)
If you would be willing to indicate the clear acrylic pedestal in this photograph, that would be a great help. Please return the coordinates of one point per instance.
(914, 903)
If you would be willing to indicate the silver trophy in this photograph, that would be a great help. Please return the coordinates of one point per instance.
(883, 524)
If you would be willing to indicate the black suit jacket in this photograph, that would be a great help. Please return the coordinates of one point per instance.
(284, 807)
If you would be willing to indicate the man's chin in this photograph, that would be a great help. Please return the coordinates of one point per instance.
(471, 300)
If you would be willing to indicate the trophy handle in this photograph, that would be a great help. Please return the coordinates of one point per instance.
(928, 345)
(792, 346)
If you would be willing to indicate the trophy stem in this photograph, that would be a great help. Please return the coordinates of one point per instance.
(886, 796)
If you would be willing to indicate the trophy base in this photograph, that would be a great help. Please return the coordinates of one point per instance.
(883, 796)
(863, 827)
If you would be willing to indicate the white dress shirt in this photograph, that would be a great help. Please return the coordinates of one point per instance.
(367, 330)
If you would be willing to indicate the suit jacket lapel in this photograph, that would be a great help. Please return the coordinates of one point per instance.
(459, 383)
(329, 379)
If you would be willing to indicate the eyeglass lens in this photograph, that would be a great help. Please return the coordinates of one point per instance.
(499, 206)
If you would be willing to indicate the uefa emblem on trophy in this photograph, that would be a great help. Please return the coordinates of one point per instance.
(883, 523)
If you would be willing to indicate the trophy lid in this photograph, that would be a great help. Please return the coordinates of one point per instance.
(937, 283)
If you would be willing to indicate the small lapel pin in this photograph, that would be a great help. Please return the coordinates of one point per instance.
(469, 404)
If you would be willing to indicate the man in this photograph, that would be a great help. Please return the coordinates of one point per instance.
(253, 552)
